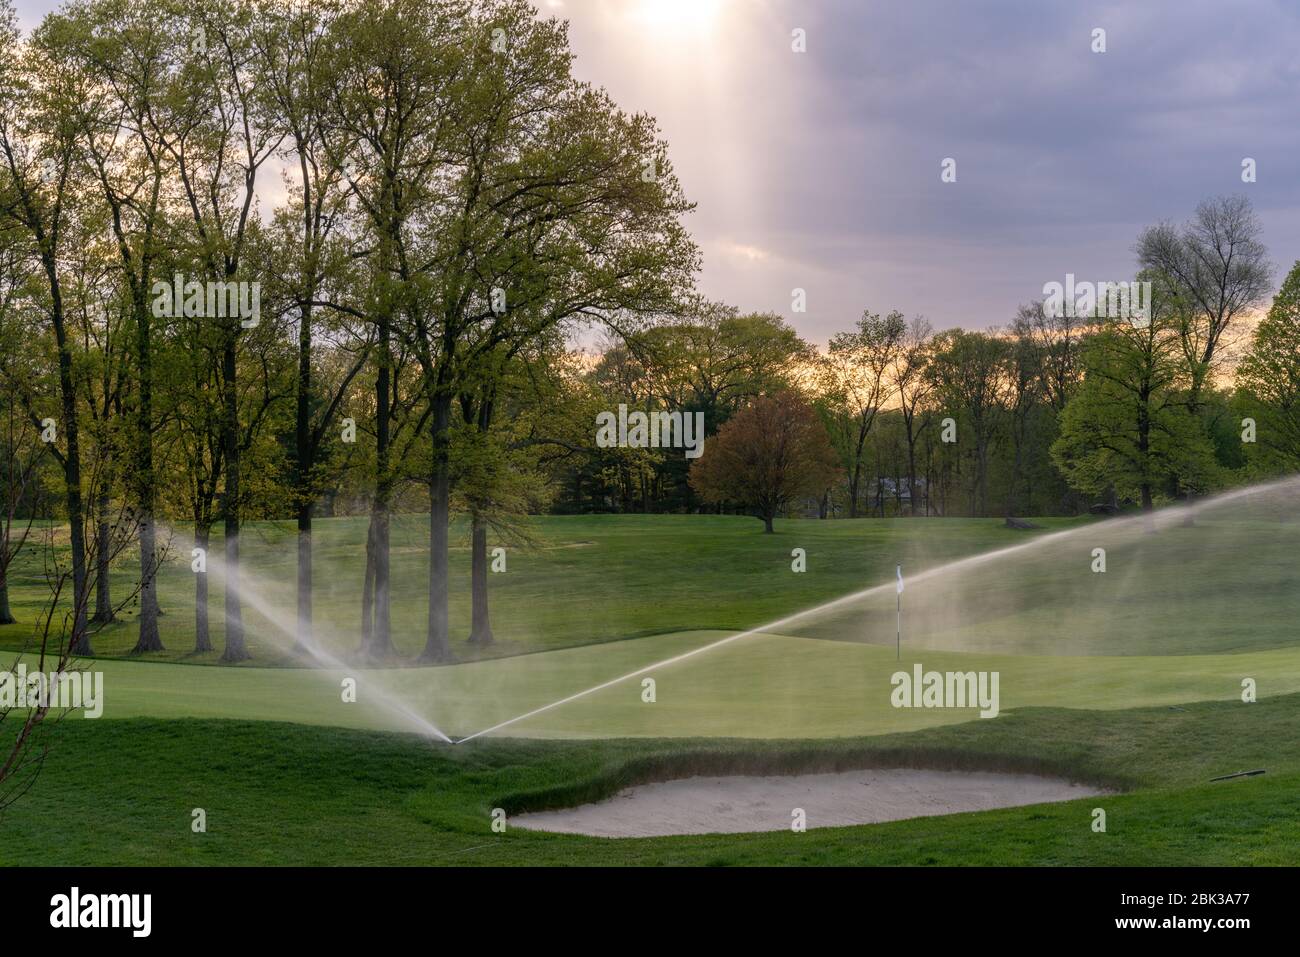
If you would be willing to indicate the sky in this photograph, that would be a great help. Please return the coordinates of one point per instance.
(821, 170)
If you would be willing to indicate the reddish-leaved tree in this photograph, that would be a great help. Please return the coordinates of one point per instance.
(769, 454)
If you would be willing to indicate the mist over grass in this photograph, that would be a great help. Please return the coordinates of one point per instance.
(1222, 582)
(590, 579)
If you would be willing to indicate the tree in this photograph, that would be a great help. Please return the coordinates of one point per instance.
(1058, 337)
(125, 58)
(969, 372)
(624, 375)
(503, 198)
(495, 473)
(388, 91)
(1025, 377)
(192, 372)
(105, 331)
(290, 42)
(52, 647)
(223, 136)
(913, 386)
(718, 359)
(18, 477)
(38, 195)
(1128, 426)
(712, 362)
(856, 385)
(1216, 270)
(768, 455)
(20, 452)
(1269, 377)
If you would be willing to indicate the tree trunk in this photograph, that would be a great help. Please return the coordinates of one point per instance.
(1194, 409)
(202, 630)
(235, 647)
(6, 616)
(302, 480)
(767, 524)
(480, 629)
(80, 643)
(437, 647)
(911, 471)
(303, 640)
(149, 639)
(1144, 446)
(103, 545)
(368, 591)
(381, 639)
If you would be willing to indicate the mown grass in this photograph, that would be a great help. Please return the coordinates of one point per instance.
(762, 686)
(122, 792)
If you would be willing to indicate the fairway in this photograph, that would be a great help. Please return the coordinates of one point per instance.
(761, 686)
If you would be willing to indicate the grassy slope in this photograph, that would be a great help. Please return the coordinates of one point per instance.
(121, 792)
(590, 578)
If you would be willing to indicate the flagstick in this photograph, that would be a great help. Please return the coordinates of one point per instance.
(898, 598)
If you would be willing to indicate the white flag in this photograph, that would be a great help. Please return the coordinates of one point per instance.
(900, 579)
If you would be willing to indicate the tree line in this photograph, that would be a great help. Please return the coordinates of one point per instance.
(1059, 411)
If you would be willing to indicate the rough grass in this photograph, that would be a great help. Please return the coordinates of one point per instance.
(122, 792)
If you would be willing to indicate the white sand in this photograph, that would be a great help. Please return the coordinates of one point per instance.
(730, 805)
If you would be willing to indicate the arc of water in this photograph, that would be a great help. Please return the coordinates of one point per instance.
(944, 569)
(380, 699)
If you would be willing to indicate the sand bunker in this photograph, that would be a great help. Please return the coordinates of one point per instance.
(729, 805)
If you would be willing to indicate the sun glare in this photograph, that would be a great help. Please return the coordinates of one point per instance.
(673, 15)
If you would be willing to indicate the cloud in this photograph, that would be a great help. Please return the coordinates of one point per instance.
(821, 169)
(828, 161)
